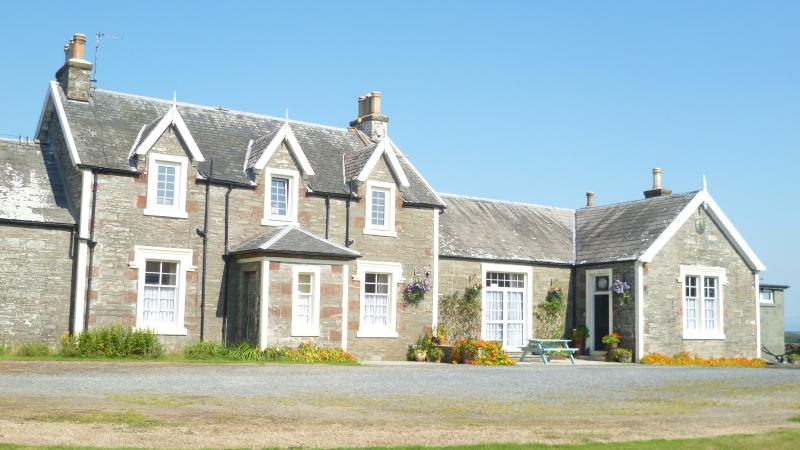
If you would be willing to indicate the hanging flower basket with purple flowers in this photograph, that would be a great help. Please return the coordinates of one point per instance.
(415, 290)
(622, 290)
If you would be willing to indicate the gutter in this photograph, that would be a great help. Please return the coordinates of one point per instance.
(33, 223)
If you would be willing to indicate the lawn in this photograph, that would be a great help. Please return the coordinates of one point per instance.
(778, 440)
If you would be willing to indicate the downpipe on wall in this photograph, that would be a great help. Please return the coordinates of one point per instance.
(204, 234)
(227, 269)
(91, 243)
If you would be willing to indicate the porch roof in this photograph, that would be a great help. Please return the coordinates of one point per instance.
(294, 241)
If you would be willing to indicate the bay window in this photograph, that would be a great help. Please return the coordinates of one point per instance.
(305, 301)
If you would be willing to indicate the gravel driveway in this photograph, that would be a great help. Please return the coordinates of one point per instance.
(244, 405)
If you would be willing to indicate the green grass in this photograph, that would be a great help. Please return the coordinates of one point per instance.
(130, 417)
(786, 439)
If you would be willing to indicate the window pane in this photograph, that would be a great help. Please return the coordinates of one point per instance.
(378, 207)
(279, 195)
(691, 311)
(160, 302)
(376, 299)
(165, 184)
(710, 302)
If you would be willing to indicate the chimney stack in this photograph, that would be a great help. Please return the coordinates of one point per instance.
(74, 76)
(589, 199)
(657, 190)
(369, 120)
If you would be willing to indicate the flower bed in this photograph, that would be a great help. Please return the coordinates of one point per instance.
(484, 353)
(685, 359)
(304, 353)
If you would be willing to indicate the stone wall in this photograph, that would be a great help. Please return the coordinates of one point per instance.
(623, 315)
(663, 308)
(35, 283)
(772, 332)
(456, 274)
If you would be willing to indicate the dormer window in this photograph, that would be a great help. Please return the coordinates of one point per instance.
(166, 186)
(380, 211)
(281, 198)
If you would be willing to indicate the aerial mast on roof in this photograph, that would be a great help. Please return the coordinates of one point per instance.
(97, 36)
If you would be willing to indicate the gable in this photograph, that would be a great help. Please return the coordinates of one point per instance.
(269, 144)
(384, 150)
(151, 132)
(703, 199)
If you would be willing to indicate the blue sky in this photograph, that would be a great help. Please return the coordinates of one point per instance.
(529, 101)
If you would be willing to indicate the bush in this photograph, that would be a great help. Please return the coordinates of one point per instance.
(32, 349)
(114, 342)
(485, 353)
(305, 352)
(205, 350)
(685, 359)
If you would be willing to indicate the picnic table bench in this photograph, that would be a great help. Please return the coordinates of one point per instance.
(546, 347)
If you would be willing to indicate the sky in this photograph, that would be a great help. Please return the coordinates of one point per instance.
(527, 101)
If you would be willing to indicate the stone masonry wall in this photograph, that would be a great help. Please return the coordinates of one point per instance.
(35, 283)
(455, 275)
(772, 333)
(663, 325)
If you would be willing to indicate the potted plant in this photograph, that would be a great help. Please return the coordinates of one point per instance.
(623, 355)
(622, 290)
(435, 354)
(440, 342)
(579, 336)
(415, 290)
(469, 349)
(611, 341)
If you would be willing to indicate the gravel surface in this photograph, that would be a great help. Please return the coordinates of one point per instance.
(170, 405)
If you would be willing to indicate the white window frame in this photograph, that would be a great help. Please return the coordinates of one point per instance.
(178, 210)
(527, 310)
(590, 293)
(184, 259)
(395, 272)
(766, 301)
(292, 196)
(702, 272)
(388, 229)
(312, 329)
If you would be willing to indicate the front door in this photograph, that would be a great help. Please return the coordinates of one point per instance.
(252, 303)
(600, 319)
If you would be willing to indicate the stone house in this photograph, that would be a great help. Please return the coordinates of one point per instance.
(205, 223)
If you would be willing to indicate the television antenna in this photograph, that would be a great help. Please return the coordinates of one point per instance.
(97, 37)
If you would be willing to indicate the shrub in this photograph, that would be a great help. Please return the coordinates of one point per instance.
(32, 349)
(244, 352)
(461, 314)
(685, 359)
(205, 350)
(114, 342)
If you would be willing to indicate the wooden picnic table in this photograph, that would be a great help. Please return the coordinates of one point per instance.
(546, 347)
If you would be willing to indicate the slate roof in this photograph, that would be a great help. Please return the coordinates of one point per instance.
(291, 240)
(105, 128)
(355, 160)
(623, 231)
(476, 228)
(30, 186)
(485, 229)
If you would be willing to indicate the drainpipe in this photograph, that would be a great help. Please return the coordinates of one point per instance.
(91, 243)
(327, 214)
(347, 241)
(204, 234)
(227, 270)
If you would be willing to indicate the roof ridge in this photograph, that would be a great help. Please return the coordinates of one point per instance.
(507, 202)
(226, 110)
(680, 194)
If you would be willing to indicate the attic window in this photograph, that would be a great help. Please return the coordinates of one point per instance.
(380, 209)
(281, 198)
(166, 186)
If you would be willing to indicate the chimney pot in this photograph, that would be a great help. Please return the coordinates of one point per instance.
(589, 199)
(375, 103)
(362, 106)
(369, 120)
(657, 190)
(656, 178)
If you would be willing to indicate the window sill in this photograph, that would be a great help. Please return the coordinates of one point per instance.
(376, 334)
(278, 222)
(704, 337)
(165, 331)
(766, 303)
(166, 213)
(374, 232)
